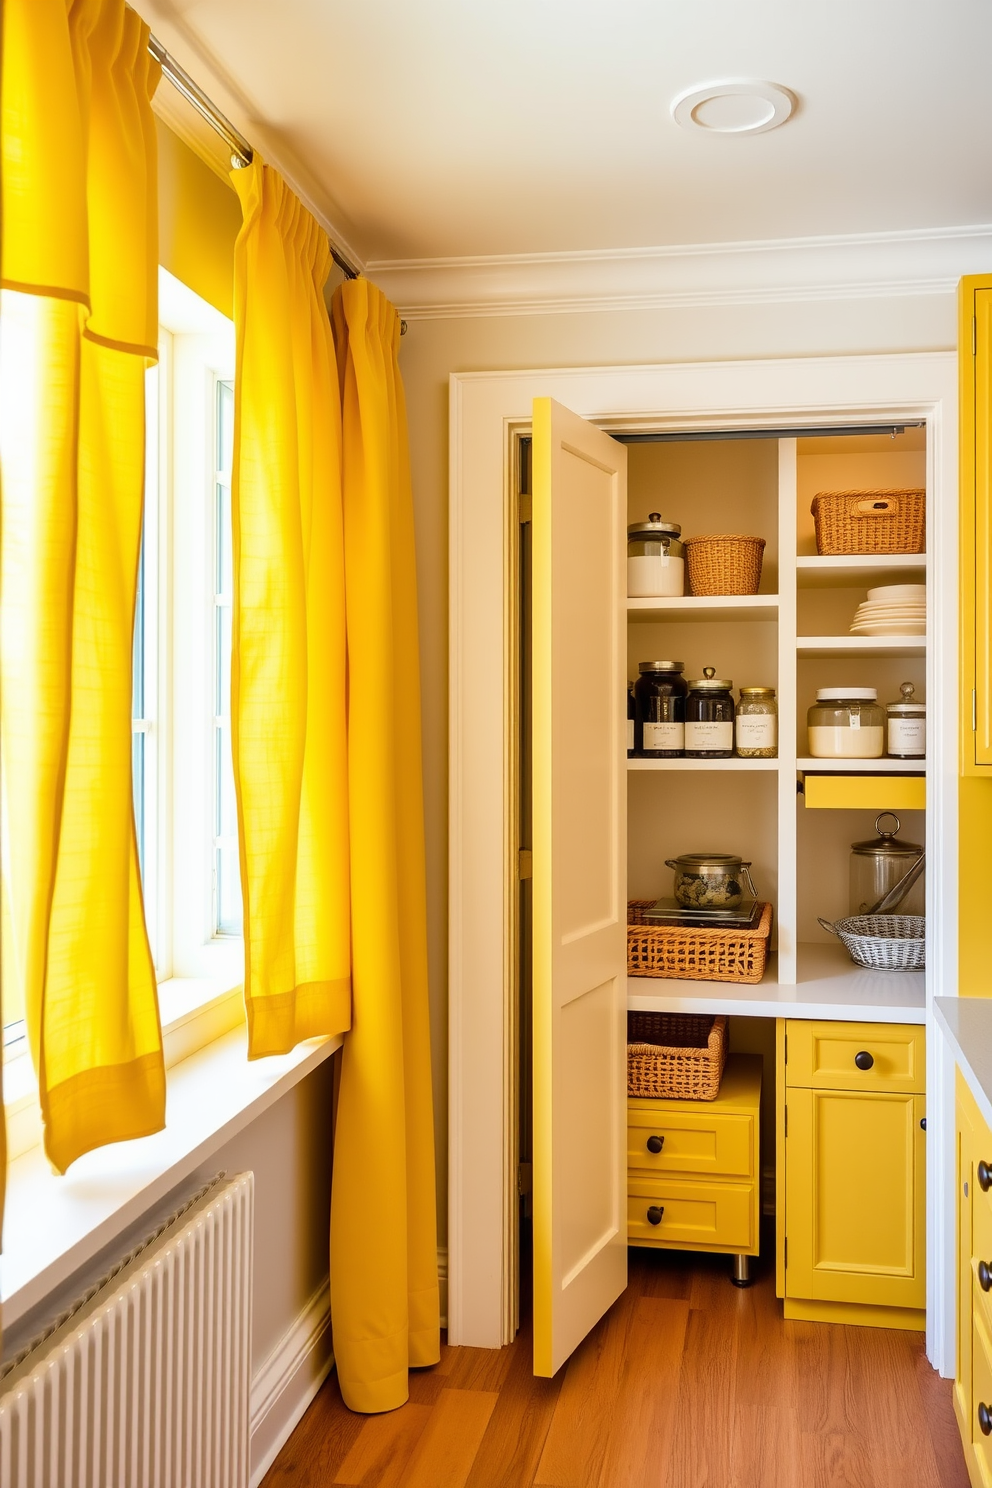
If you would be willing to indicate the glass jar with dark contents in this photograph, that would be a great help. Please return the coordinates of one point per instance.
(709, 717)
(659, 704)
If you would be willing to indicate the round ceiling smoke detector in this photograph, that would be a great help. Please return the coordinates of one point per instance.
(735, 106)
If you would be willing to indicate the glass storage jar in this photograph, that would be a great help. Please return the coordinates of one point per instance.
(655, 559)
(879, 864)
(659, 710)
(709, 717)
(846, 723)
(757, 723)
(907, 726)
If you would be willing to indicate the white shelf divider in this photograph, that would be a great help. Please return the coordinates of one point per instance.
(857, 645)
(851, 569)
(705, 607)
(786, 909)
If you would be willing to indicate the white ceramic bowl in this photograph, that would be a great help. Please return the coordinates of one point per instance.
(886, 592)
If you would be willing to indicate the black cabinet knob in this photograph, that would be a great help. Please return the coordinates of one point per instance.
(654, 1214)
(984, 1176)
(655, 1144)
(984, 1418)
(923, 1123)
(863, 1060)
(984, 1276)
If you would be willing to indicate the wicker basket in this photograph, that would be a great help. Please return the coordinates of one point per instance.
(883, 942)
(675, 1056)
(886, 521)
(727, 564)
(701, 955)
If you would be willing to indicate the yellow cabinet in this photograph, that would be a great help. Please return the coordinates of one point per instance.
(692, 1167)
(852, 1157)
(973, 1384)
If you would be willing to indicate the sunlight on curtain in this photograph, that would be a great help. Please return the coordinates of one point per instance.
(79, 325)
(384, 1289)
(288, 678)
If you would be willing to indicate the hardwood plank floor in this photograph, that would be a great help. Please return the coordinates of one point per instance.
(687, 1382)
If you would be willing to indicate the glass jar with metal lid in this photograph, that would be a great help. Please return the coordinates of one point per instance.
(710, 880)
(709, 717)
(907, 726)
(659, 710)
(846, 723)
(655, 559)
(757, 723)
(882, 862)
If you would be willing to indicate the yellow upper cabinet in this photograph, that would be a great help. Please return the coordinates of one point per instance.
(975, 345)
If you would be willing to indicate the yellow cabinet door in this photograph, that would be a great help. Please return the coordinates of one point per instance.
(856, 1056)
(966, 1140)
(694, 1142)
(855, 1203)
(981, 1415)
(667, 1211)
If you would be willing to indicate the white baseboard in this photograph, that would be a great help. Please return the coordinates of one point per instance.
(288, 1381)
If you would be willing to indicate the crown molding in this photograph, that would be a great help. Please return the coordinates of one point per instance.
(854, 266)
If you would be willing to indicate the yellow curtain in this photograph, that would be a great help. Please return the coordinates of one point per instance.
(80, 317)
(288, 705)
(384, 1293)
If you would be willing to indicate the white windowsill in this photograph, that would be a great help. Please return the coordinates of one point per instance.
(55, 1225)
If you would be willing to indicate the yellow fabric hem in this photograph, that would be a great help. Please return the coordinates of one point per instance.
(425, 1347)
(133, 348)
(372, 1397)
(111, 1103)
(47, 291)
(280, 1021)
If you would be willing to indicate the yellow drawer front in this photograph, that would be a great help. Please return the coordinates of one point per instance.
(714, 1214)
(822, 1056)
(982, 1396)
(698, 1142)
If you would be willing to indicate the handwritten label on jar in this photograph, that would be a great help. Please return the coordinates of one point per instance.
(664, 735)
(908, 737)
(757, 730)
(711, 738)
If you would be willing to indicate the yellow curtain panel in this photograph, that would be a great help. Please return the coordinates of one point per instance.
(79, 328)
(384, 1293)
(288, 703)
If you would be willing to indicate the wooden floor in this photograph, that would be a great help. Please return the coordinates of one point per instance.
(687, 1382)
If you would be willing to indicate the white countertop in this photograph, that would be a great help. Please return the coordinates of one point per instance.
(967, 1024)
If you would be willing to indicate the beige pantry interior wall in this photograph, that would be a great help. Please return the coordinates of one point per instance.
(433, 349)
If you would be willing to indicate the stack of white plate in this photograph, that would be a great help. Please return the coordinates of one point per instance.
(893, 609)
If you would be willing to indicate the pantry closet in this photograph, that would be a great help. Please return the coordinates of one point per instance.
(793, 817)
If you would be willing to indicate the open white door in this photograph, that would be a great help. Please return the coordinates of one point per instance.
(579, 838)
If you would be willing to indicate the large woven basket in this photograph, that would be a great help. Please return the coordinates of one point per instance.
(702, 955)
(893, 520)
(675, 1056)
(724, 564)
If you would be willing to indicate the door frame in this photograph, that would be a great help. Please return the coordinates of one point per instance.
(489, 411)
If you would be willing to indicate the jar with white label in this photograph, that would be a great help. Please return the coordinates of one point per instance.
(846, 723)
(655, 559)
(659, 710)
(757, 723)
(709, 717)
(906, 733)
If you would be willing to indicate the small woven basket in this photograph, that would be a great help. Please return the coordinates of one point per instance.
(726, 564)
(893, 520)
(883, 942)
(701, 955)
(675, 1056)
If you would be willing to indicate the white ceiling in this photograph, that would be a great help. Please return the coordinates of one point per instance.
(438, 128)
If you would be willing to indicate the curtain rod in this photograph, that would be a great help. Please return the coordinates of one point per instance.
(241, 151)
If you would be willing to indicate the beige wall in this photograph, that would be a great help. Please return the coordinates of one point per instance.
(433, 349)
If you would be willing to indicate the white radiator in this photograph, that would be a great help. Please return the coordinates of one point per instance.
(145, 1384)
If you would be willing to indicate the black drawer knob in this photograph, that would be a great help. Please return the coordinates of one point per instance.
(863, 1060)
(984, 1276)
(655, 1144)
(984, 1418)
(984, 1176)
(654, 1214)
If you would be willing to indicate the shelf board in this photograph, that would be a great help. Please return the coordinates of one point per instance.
(702, 764)
(856, 645)
(705, 607)
(811, 766)
(828, 986)
(851, 569)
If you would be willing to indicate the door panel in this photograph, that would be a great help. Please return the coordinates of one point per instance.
(578, 534)
(855, 1216)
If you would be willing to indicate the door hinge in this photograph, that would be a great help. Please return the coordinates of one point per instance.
(524, 506)
(523, 1179)
(974, 710)
(974, 335)
(525, 863)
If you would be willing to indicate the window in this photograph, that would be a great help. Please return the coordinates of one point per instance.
(227, 872)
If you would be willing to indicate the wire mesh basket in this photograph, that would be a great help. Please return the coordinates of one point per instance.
(883, 942)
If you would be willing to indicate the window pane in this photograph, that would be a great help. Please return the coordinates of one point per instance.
(228, 915)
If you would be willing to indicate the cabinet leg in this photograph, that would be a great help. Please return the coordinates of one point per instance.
(741, 1272)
